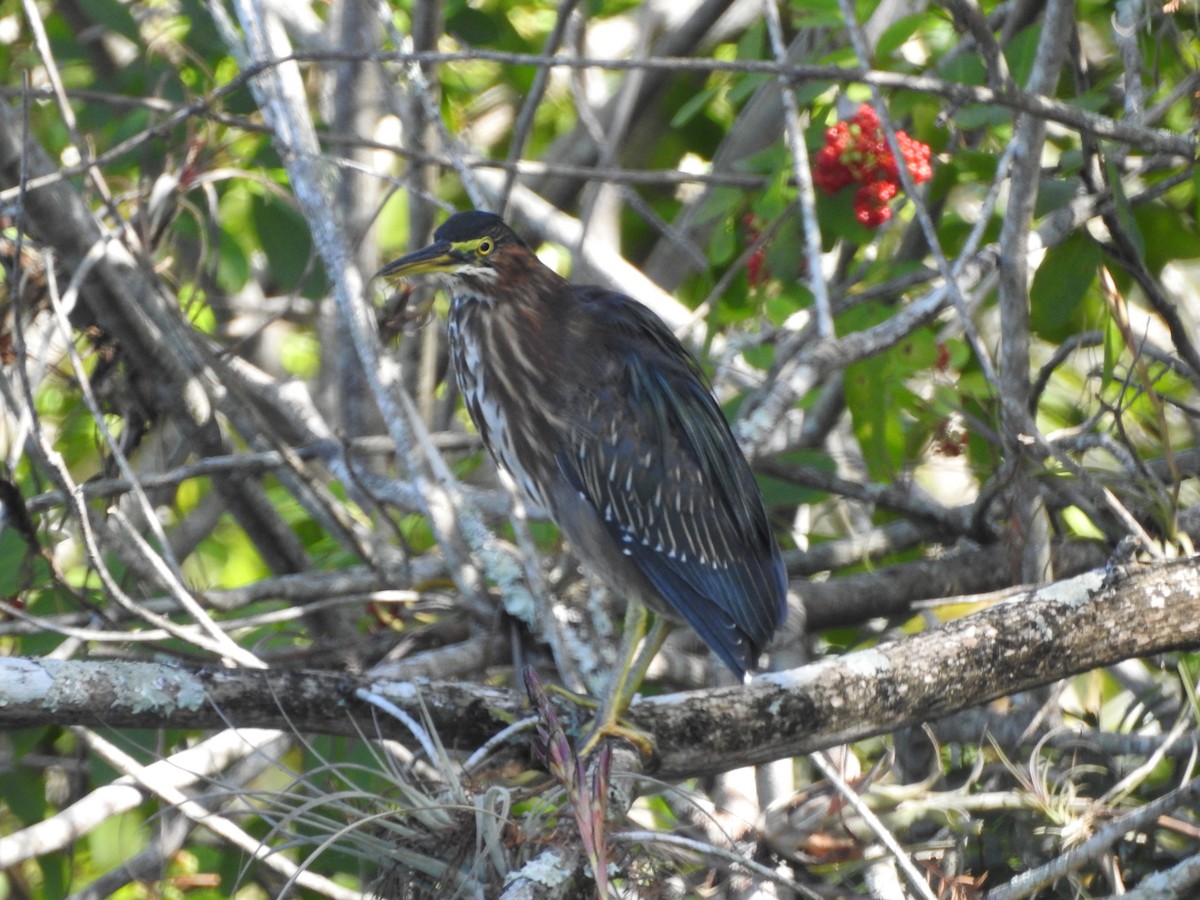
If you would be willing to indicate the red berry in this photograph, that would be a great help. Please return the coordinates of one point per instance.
(755, 267)
(943, 357)
(871, 203)
(856, 152)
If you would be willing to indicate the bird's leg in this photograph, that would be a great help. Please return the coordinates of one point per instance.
(649, 630)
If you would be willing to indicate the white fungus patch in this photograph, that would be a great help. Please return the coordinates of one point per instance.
(23, 681)
(396, 690)
(546, 869)
(1075, 590)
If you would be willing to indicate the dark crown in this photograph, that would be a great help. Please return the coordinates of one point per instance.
(466, 226)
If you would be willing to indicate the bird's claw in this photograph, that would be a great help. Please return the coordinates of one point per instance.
(572, 696)
(601, 731)
(605, 726)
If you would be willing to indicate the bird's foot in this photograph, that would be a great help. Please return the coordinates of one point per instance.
(573, 697)
(605, 725)
(601, 731)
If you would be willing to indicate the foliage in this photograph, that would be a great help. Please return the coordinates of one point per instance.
(998, 357)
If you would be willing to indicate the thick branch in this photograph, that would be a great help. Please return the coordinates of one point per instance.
(1060, 630)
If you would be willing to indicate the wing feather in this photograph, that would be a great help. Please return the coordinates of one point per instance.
(655, 458)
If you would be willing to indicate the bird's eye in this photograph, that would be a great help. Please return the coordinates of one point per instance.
(485, 246)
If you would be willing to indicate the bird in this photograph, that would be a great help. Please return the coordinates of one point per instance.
(604, 420)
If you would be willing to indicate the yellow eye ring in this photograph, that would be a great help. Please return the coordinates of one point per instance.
(485, 246)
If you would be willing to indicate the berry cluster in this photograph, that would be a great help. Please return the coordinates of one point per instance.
(756, 263)
(856, 152)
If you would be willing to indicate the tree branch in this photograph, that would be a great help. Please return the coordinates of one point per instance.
(1039, 637)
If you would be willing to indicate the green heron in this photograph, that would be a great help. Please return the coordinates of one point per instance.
(605, 421)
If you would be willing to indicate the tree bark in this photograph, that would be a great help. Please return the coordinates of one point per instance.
(1065, 628)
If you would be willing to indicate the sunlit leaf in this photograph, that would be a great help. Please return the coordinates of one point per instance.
(1060, 285)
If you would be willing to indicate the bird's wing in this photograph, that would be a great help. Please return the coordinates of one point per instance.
(662, 470)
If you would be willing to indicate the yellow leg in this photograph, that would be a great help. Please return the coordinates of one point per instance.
(641, 628)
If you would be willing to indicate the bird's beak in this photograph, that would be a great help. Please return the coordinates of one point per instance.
(435, 259)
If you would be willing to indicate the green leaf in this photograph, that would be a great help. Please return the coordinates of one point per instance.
(113, 16)
(24, 797)
(896, 34)
(300, 354)
(233, 267)
(1123, 208)
(761, 357)
(777, 197)
(14, 562)
(753, 43)
(1080, 524)
(285, 240)
(693, 107)
(1168, 236)
(721, 247)
(878, 429)
(817, 14)
(1196, 192)
(117, 839)
(721, 202)
(474, 26)
(56, 874)
(836, 213)
(966, 68)
(745, 86)
(1021, 53)
(979, 166)
(1114, 346)
(876, 396)
(1060, 284)
(786, 260)
(977, 115)
(1053, 193)
(794, 297)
